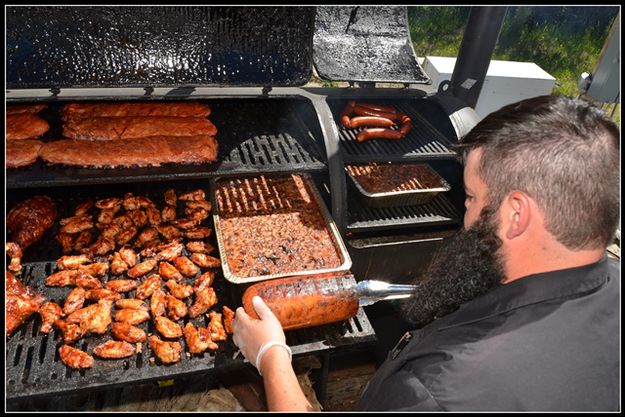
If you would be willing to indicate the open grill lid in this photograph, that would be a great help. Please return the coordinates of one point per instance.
(146, 46)
(365, 44)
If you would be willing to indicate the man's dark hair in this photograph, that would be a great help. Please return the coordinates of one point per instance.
(563, 153)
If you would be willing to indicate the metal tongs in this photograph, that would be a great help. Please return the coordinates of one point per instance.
(370, 292)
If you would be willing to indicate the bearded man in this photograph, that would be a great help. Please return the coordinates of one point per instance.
(520, 310)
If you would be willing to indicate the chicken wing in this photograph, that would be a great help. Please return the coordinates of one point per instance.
(199, 246)
(87, 281)
(96, 269)
(199, 204)
(228, 319)
(185, 223)
(154, 216)
(170, 197)
(204, 299)
(15, 253)
(198, 340)
(129, 256)
(114, 349)
(49, 312)
(176, 309)
(82, 240)
(147, 235)
(83, 208)
(108, 203)
(121, 285)
(74, 300)
(198, 232)
(71, 331)
(168, 214)
(131, 316)
(169, 272)
(126, 235)
(169, 232)
(94, 318)
(76, 226)
(142, 268)
(66, 241)
(139, 217)
(75, 358)
(167, 352)
(204, 280)
(118, 266)
(148, 286)
(205, 261)
(132, 303)
(216, 327)
(198, 214)
(128, 333)
(135, 202)
(64, 278)
(106, 216)
(102, 294)
(180, 291)
(185, 266)
(72, 261)
(158, 302)
(193, 195)
(169, 251)
(167, 328)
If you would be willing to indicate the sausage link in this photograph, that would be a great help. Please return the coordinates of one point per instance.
(300, 302)
(378, 133)
(364, 111)
(378, 107)
(371, 121)
(346, 113)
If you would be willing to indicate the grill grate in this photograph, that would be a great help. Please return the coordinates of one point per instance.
(33, 367)
(269, 135)
(423, 142)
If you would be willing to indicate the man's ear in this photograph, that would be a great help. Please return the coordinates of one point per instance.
(518, 214)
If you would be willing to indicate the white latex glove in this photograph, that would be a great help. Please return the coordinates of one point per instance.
(251, 335)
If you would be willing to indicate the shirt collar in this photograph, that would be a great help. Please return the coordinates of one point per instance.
(531, 289)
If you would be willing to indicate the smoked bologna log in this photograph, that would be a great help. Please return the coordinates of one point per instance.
(116, 128)
(140, 152)
(301, 302)
(177, 109)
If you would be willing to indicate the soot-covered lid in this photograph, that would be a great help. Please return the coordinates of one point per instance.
(159, 46)
(365, 44)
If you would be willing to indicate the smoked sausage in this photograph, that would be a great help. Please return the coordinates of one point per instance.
(301, 302)
(378, 133)
(371, 121)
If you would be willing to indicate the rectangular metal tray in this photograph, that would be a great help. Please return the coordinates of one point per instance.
(403, 197)
(330, 224)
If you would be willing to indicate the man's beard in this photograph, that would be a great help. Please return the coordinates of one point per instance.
(467, 266)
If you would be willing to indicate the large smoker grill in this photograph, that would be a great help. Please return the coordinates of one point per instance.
(246, 63)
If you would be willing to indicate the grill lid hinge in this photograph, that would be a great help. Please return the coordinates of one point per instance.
(266, 90)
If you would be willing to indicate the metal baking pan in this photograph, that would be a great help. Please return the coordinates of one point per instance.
(339, 245)
(402, 197)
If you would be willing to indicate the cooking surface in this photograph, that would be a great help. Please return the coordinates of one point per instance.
(33, 367)
(272, 135)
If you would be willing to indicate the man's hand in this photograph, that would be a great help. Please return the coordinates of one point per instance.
(250, 335)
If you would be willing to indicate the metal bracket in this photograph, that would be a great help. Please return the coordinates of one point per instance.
(148, 90)
(266, 90)
(55, 91)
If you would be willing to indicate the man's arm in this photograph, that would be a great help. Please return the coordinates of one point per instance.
(282, 388)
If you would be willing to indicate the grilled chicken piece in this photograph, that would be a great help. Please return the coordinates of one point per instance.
(71, 331)
(72, 261)
(176, 309)
(124, 221)
(216, 327)
(193, 195)
(158, 302)
(75, 358)
(77, 218)
(148, 234)
(203, 204)
(15, 253)
(118, 266)
(168, 214)
(198, 214)
(66, 241)
(109, 203)
(64, 278)
(154, 216)
(131, 316)
(101, 246)
(167, 352)
(30, 219)
(106, 216)
(198, 340)
(21, 153)
(185, 266)
(184, 223)
(205, 280)
(76, 226)
(180, 291)
(141, 269)
(87, 282)
(169, 251)
(49, 312)
(204, 299)
(126, 235)
(139, 217)
(74, 300)
(198, 232)
(129, 256)
(128, 333)
(169, 272)
(199, 246)
(168, 328)
(169, 232)
(135, 202)
(113, 349)
(148, 286)
(170, 197)
(82, 241)
(121, 285)
(94, 318)
(83, 208)
(102, 294)
(132, 303)
(21, 302)
(205, 261)
(96, 269)
(228, 319)
(111, 231)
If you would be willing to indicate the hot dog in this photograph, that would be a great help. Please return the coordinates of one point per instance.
(300, 302)
(365, 111)
(345, 114)
(378, 107)
(378, 133)
(372, 121)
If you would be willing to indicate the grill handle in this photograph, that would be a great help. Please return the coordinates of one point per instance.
(371, 291)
